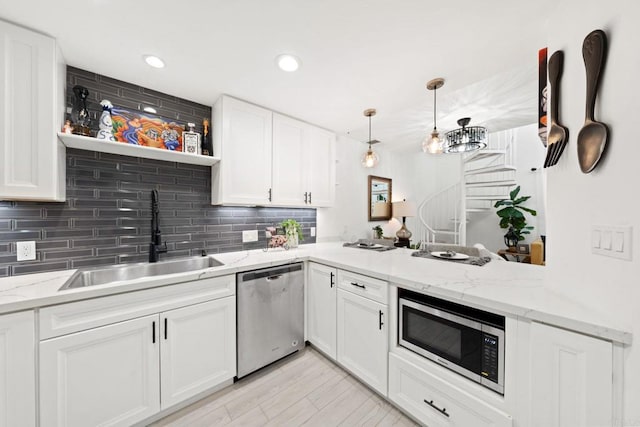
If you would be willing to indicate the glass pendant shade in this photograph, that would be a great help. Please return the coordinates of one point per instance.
(432, 144)
(370, 159)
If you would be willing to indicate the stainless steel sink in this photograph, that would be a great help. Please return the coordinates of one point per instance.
(118, 273)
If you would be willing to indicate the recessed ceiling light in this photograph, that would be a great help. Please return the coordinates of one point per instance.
(154, 61)
(288, 62)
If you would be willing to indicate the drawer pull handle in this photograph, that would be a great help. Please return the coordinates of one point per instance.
(358, 285)
(443, 411)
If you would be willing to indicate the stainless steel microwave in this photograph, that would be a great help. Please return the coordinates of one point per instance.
(464, 339)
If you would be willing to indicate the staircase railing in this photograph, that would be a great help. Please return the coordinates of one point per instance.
(437, 214)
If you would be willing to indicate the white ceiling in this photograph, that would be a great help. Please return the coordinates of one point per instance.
(356, 54)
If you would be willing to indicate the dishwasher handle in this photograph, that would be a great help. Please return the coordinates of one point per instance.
(275, 277)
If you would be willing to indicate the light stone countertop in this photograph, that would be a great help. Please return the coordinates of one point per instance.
(507, 288)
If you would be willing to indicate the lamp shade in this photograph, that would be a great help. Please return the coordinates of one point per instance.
(404, 209)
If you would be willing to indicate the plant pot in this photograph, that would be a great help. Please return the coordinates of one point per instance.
(292, 240)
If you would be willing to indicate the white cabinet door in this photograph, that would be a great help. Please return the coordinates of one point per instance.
(321, 169)
(289, 168)
(17, 370)
(321, 308)
(198, 349)
(245, 151)
(32, 76)
(363, 339)
(571, 378)
(105, 376)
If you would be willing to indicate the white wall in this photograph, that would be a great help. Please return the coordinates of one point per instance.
(347, 220)
(529, 153)
(609, 194)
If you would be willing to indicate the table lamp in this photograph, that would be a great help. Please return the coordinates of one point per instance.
(402, 210)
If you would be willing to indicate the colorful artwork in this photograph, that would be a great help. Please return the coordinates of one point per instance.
(131, 127)
(542, 95)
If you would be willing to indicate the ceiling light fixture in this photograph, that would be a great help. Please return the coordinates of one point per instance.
(432, 144)
(466, 138)
(153, 61)
(288, 62)
(370, 158)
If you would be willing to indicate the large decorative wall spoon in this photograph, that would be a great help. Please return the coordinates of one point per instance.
(592, 138)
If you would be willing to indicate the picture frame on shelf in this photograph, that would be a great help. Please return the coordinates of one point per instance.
(523, 248)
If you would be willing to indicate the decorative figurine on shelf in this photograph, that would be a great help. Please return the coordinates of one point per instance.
(106, 124)
(79, 113)
(67, 128)
(170, 137)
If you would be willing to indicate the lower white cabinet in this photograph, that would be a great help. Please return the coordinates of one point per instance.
(17, 370)
(435, 402)
(104, 376)
(321, 308)
(571, 378)
(363, 339)
(123, 373)
(197, 349)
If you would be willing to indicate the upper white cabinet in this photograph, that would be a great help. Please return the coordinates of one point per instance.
(17, 370)
(32, 80)
(571, 378)
(269, 159)
(242, 138)
(303, 164)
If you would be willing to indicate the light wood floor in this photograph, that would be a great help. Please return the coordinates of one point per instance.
(304, 389)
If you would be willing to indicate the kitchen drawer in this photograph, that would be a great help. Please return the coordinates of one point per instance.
(435, 402)
(367, 287)
(78, 316)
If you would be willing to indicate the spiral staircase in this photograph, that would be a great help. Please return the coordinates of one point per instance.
(486, 176)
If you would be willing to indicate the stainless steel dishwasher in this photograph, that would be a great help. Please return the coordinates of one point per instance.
(270, 315)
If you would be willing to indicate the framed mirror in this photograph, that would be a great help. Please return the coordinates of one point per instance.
(379, 190)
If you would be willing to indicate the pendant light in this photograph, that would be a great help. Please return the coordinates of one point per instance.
(370, 158)
(466, 138)
(432, 144)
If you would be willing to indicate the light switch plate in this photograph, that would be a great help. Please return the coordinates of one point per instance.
(313, 232)
(612, 241)
(26, 251)
(249, 236)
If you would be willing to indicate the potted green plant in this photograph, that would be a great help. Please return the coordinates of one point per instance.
(293, 231)
(512, 217)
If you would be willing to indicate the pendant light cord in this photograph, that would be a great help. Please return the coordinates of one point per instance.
(369, 131)
(435, 94)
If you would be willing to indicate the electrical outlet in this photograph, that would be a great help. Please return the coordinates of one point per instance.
(249, 236)
(313, 232)
(26, 251)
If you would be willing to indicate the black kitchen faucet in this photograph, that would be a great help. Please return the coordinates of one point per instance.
(156, 247)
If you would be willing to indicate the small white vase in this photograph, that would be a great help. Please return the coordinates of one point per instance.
(292, 240)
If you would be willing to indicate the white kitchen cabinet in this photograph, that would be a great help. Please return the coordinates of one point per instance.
(17, 370)
(269, 159)
(289, 161)
(103, 376)
(321, 308)
(571, 378)
(32, 81)
(198, 349)
(435, 402)
(121, 359)
(242, 135)
(362, 339)
(303, 163)
(320, 166)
